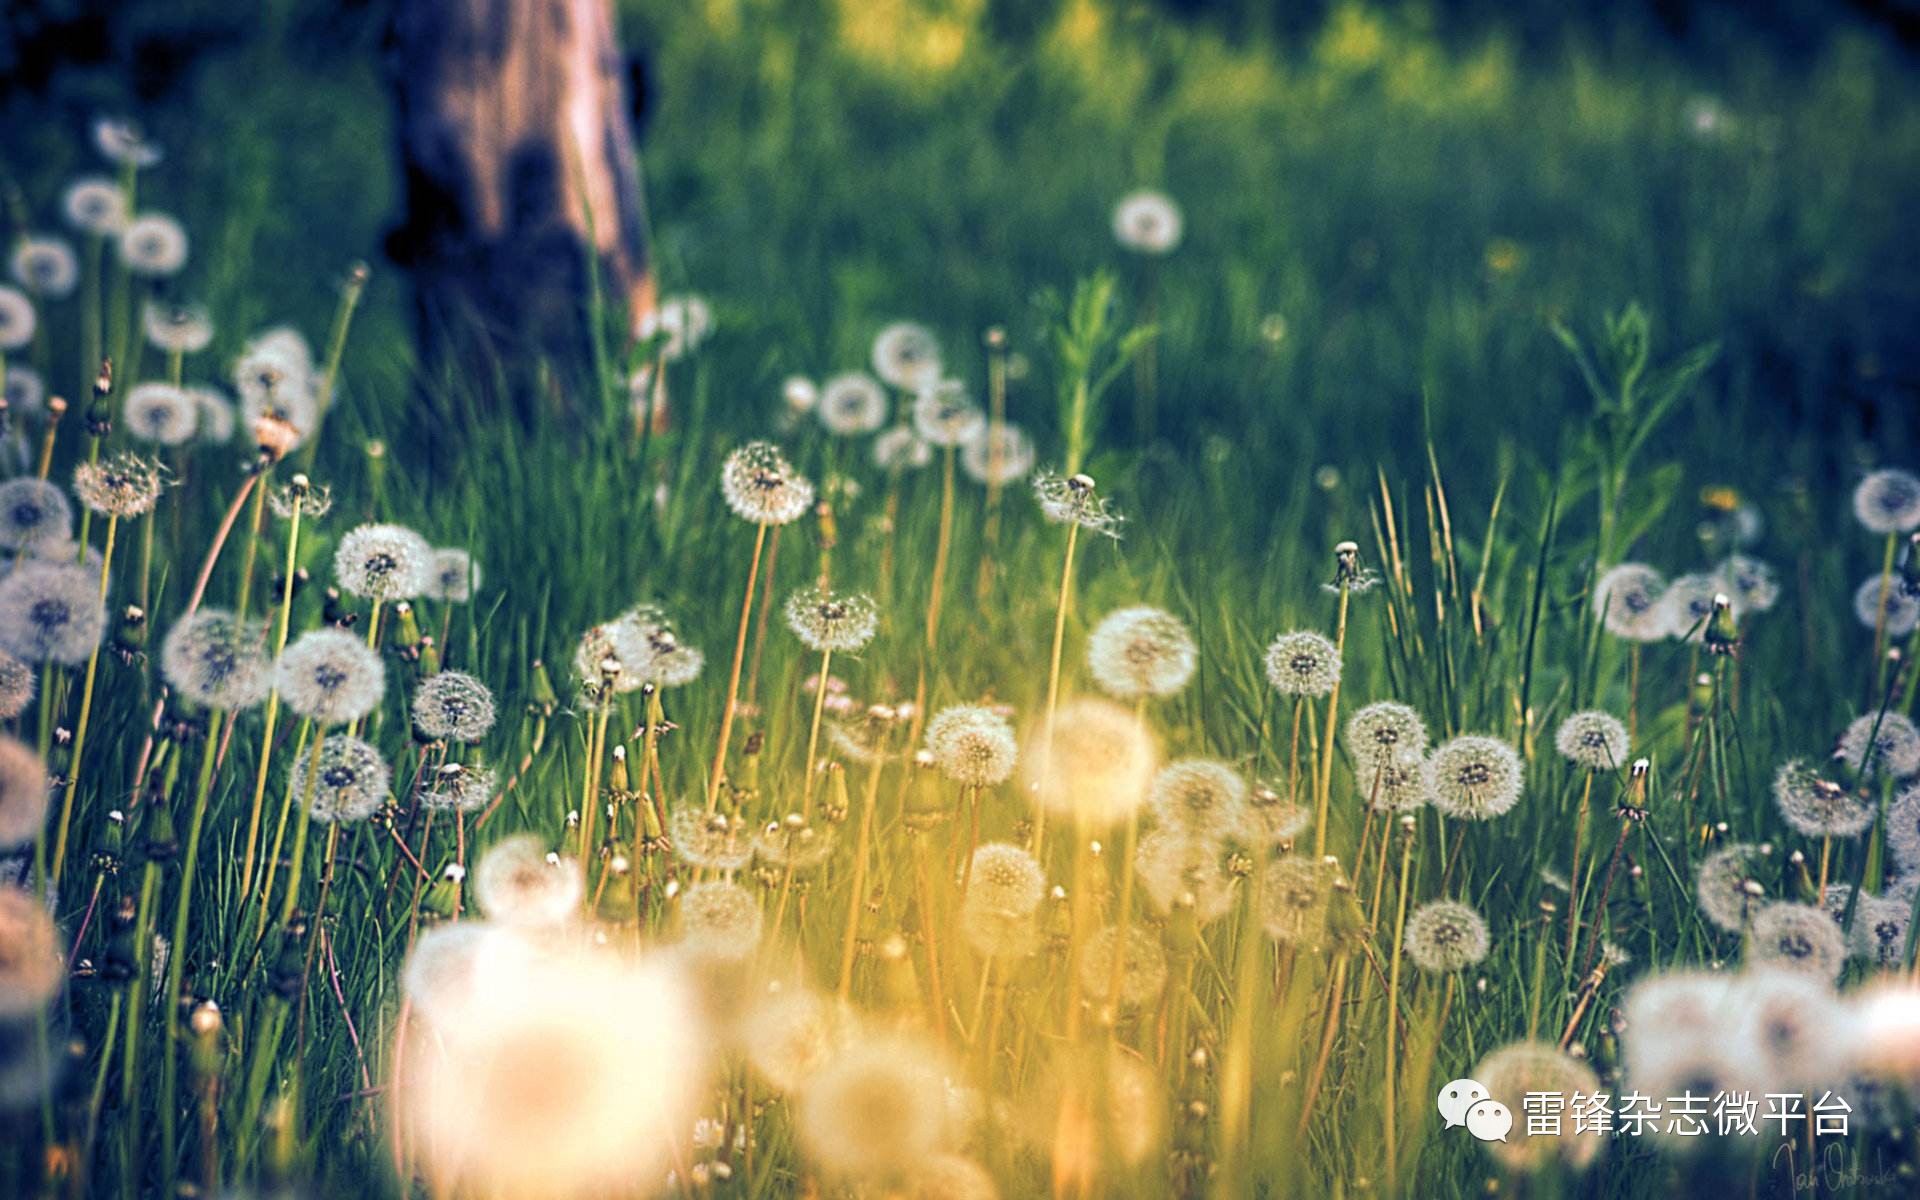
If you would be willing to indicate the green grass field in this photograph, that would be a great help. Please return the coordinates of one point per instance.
(1503, 318)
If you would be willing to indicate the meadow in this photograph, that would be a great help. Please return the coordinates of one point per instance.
(1147, 602)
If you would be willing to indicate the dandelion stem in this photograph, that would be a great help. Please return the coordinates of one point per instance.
(1324, 779)
(733, 676)
(813, 735)
(177, 958)
(86, 713)
(273, 701)
(1053, 672)
(1393, 1006)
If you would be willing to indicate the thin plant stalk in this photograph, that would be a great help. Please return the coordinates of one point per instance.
(733, 675)
(813, 735)
(86, 714)
(1053, 672)
(1324, 779)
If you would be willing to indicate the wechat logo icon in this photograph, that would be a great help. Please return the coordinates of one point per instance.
(1467, 1102)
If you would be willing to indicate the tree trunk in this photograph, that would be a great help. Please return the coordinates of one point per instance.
(518, 149)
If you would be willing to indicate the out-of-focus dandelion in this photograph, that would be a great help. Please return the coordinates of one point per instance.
(681, 322)
(1202, 796)
(95, 205)
(1880, 930)
(30, 967)
(1627, 600)
(1881, 743)
(26, 393)
(720, 919)
(1474, 778)
(18, 685)
(383, 562)
(51, 612)
(162, 413)
(876, 1107)
(1797, 937)
(972, 745)
(791, 1034)
(153, 245)
(453, 706)
(1446, 935)
(1888, 501)
(216, 419)
(852, 404)
(1148, 222)
(998, 455)
(23, 796)
(121, 141)
(518, 882)
(1903, 829)
(1687, 605)
(17, 319)
(1296, 898)
(452, 576)
(1817, 806)
(1593, 739)
(177, 328)
(945, 416)
(901, 449)
(1180, 870)
(33, 510)
(1721, 885)
(1142, 966)
(1751, 584)
(1139, 652)
(907, 356)
(1276, 818)
(1890, 605)
(1515, 1071)
(1302, 663)
(714, 841)
(1100, 761)
(46, 266)
(330, 676)
(1005, 878)
(217, 659)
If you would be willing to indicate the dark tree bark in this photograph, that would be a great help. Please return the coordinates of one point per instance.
(517, 145)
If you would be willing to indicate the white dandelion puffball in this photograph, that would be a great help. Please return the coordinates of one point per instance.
(1720, 885)
(761, 486)
(1446, 935)
(26, 392)
(720, 919)
(450, 966)
(1075, 500)
(23, 794)
(1141, 967)
(714, 841)
(153, 245)
(1593, 739)
(350, 780)
(217, 659)
(1627, 601)
(45, 266)
(120, 140)
(665, 660)
(972, 745)
(1276, 818)
(519, 883)
(331, 676)
(789, 1034)
(1181, 870)
(18, 683)
(1888, 501)
(17, 319)
(1797, 937)
(1752, 586)
(944, 415)
(216, 421)
(998, 455)
(1880, 930)
(1513, 1072)
(1396, 785)
(852, 404)
(1686, 605)
(793, 843)
(51, 612)
(31, 970)
(383, 562)
(1205, 797)
(1093, 763)
(1474, 778)
(878, 1106)
(459, 787)
(1296, 898)
(1148, 222)
(825, 620)
(177, 328)
(1141, 651)
(96, 205)
(1887, 602)
(452, 576)
(1817, 806)
(162, 413)
(452, 706)
(997, 933)
(1881, 743)
(907, 356)
(901, 449)
(682, 322)
(1386, 732)
(33, 510)
(1303, 663)
(120, 485)
(1903, 829)
(1005, 878)
(530, 1087)
(799, 395)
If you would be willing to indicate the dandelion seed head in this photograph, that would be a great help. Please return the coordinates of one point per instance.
(1888, 603)
(907, 356)
(460, 787)
(789, 1035)
(1148, 222)
(1686, 605)
(1817, 806)
(1446, 935)
(682, 321)
(330, 676)
(383, 562)
(998, 455)
(1006, 878)
(1303, 663)
(26, 392)
(518, 883)
(32, 510)
(177, 328)
(1880, 930)
(713, 841)
(852, 404)
(1903, 830)
(793, 843)
(1296, 898)
(18, 319)
(1097, 761)
(1792, 1026)
(1202, 796)
(95, 204)
(217, 659)
(944, 415)
(901, 449)
(1627, 599)
(1141, 651)
(162, 413)
(665, 660)
(153, 245)
(51, 612)
(1384, 732)
(18, 686)
(31, 969)
(972, 745)
(1720, 885)
(761, 486)
(46, 266)
(452, 576)
(121, 141)
(1274, 817)
(120, 485)
(215, 419)
(453, 706)
(827, 620)
(1888, 501)
(1518, 1069)
(1076, 500)
(1593, 739)
(720, 919)
(1474, 778)
(1797, 937)
(1752, 584)
(349, 783)
(1142, 967)
(1881, 744)
(877, 1107)
(1178, 869)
